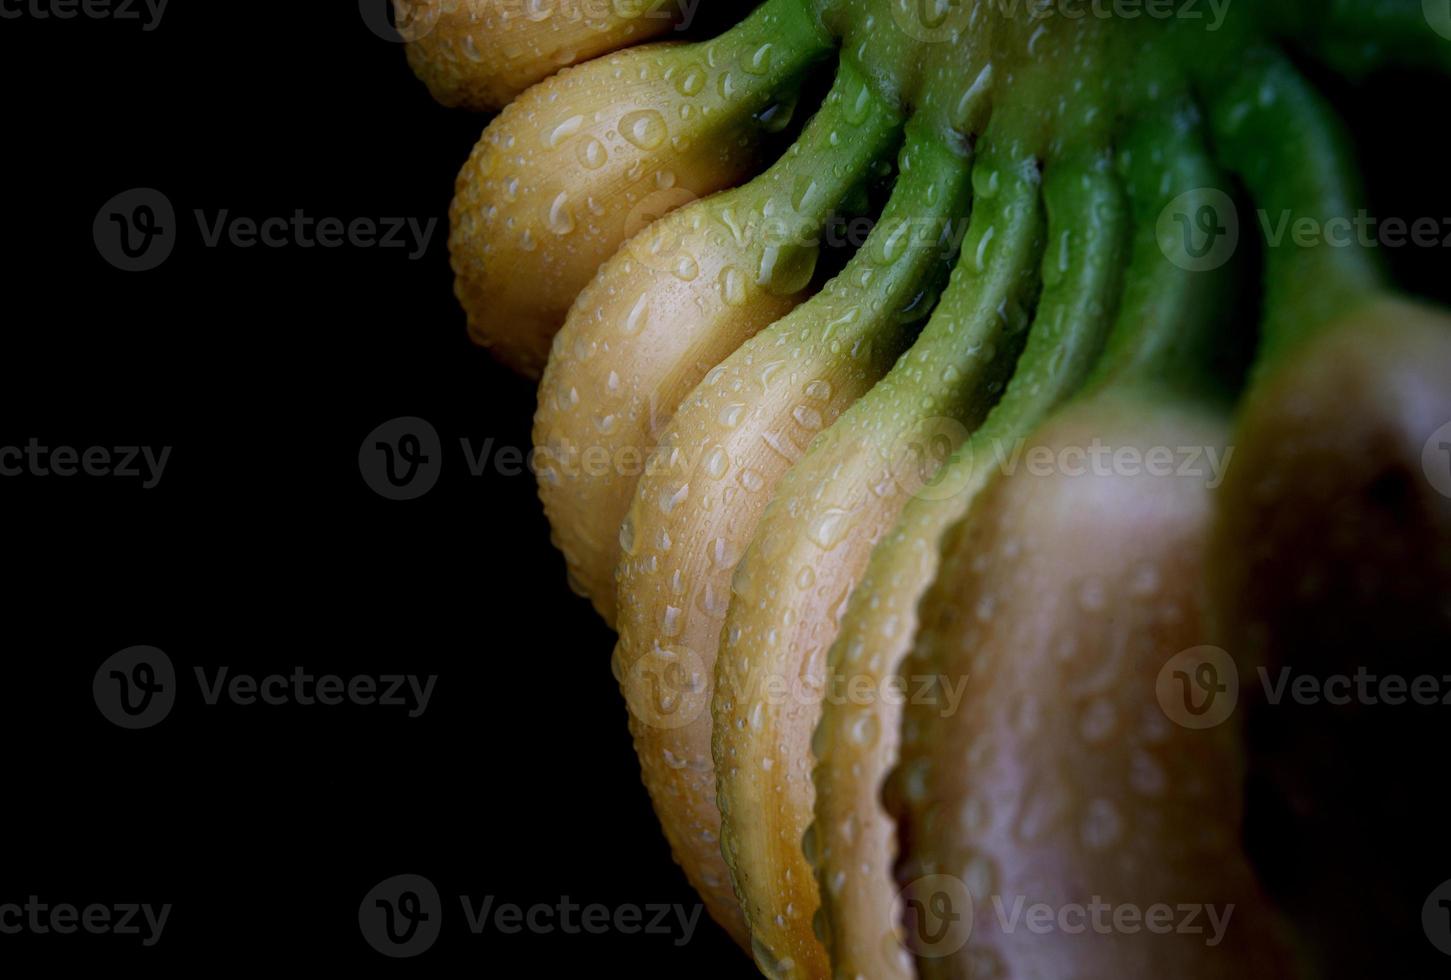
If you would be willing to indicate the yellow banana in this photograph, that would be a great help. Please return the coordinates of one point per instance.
(479, 54)
(718, 461)
(586, 159)
(674, 303)
(811, 546)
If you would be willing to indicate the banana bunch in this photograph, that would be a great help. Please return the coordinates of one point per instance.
(938, 567)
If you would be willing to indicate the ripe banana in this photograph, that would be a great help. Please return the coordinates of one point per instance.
(813, 541)
(720, 457)
(672, 305)
(480, 54)
(589, 157)
(856, 741)
(1059, 779)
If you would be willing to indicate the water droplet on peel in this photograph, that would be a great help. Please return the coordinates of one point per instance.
(592, 153)
(563, 131)
(645, 128)
(561, 219)
(828, 529)
(732, 286)
(639, 316)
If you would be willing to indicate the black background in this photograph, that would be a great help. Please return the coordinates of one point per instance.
(262, 548)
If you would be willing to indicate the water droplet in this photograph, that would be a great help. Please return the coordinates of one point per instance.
(732, 286)
(563, 131)
(645, 128)
(639, 316)
(561, 219)
(828, 529)
(592, 153)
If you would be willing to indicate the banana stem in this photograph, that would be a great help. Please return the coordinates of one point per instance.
(909, 253)
(988, 303)
(790, 203)
(1166, 331)
(1082, 269)
(1360, 36)
(771, 49)
(1283, 140)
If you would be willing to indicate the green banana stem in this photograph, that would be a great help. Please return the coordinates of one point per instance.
(1166, 334)
(1087, 225)
(908, 256)
(771, 50)
(990, 298)
(1081, 271)
(793, 200)
(1360, 36)
(1283, 140)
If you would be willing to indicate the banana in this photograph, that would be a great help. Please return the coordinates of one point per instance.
(1058, 780)
(856, 741)
(1064, 605)
(589, 157)
(1332, 553)
(672, 305)
(737, 433)
(793, 583)
(480, 54)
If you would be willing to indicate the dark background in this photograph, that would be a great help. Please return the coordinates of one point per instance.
(263, 548)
